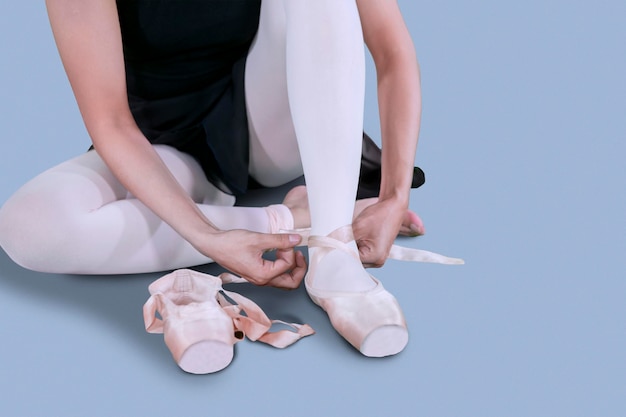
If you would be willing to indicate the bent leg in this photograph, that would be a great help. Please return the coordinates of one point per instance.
(325, 87)
(274, 154)
(326, 79)
(77, 218)
(319, 98)
(305, 92)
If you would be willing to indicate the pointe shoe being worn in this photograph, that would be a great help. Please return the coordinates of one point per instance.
(371, 321)
(201, 322)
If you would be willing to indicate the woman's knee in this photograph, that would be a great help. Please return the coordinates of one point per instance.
(39, 223)
(33, 231)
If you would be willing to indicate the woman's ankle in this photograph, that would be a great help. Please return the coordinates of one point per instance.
(280, 217)
(297, 202)
(337, 270)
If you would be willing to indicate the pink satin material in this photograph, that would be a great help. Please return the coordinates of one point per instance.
(355, 315)
(279, 218)
(397, 252)
(194, 308)
(256, 325)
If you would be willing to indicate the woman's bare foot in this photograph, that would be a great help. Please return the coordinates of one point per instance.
(297, 201)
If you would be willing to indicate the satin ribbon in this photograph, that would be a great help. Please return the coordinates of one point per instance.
(397, 252)
(248, 318)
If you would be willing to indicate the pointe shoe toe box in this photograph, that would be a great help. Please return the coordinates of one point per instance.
(372, 322)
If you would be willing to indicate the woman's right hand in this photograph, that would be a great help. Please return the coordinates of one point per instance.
(241, 252)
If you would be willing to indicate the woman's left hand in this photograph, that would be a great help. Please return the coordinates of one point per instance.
(375, 230)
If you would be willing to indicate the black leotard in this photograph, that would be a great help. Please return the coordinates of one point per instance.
(185, 63)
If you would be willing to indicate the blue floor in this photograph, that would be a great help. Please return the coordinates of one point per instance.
(523, 143)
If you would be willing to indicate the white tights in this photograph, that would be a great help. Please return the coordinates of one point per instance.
(305, 93)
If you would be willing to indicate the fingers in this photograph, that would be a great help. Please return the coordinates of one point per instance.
(377, 227)
(279, 241)
(291, 279)
(286, 272)
(411, 224)
(371, 256)
(370, 252)
(289, 268)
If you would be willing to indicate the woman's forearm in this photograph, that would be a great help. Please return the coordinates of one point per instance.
(399, 95)
(89, 39)
(135, 163)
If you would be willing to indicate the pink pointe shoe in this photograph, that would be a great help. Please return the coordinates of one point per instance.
(201, 324)
(371, 321)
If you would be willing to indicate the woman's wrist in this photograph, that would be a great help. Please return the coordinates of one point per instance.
(202, 236)
(396, 186)
(398, 200)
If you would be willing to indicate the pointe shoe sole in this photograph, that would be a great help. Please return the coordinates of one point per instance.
(206, 356)
(385, 341)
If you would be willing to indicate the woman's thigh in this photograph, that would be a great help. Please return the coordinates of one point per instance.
(88, 181)
(274, 154)
(74, 216)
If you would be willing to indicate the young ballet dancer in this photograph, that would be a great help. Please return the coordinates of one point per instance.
(188, 104)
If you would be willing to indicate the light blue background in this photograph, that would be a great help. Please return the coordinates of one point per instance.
(523, 147)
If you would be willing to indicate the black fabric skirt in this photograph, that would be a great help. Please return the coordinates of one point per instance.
(185, 63)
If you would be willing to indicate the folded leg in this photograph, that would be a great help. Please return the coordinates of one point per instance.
(77, 218)
(305, 84)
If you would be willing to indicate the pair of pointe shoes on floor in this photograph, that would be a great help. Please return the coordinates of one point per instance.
(201, 322)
